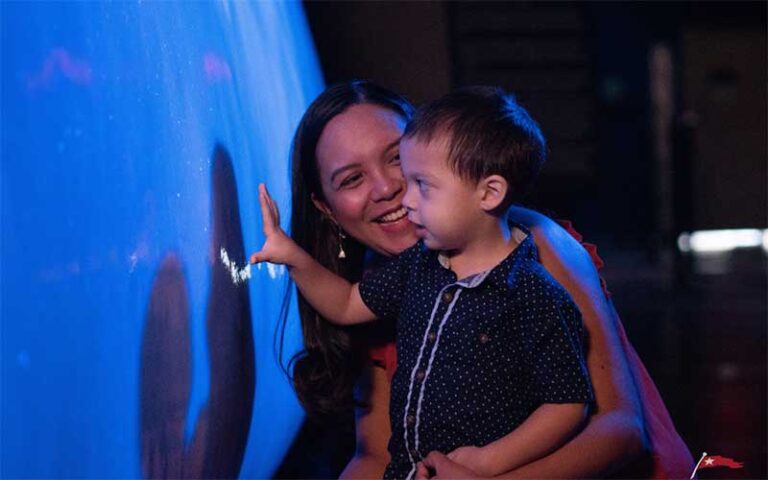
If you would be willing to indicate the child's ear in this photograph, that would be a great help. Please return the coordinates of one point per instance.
(323, 207)
(493, 190)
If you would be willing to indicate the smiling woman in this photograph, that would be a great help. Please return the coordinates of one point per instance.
(346, 178)
(361, 185)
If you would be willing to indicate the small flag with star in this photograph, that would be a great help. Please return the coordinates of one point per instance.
(711, 461)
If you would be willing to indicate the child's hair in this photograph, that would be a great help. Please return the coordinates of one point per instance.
(488, 133)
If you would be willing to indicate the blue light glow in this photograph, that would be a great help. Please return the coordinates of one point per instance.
(111, 113)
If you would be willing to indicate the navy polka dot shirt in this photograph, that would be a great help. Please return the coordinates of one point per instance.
(475, 356)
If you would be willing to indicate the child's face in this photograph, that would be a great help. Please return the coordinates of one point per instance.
(443, 206)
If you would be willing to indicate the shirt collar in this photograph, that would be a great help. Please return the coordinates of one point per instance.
(499, 274)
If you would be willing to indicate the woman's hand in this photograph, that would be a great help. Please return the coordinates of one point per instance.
(278, 246)
(438, 466)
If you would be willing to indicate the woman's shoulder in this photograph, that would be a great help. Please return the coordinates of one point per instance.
(385, 356)
(560, 246)
(591, 248)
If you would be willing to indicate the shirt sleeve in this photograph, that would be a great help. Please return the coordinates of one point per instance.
(382, 289)
(556, 360)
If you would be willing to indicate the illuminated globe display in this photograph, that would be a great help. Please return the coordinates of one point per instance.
(134, 135)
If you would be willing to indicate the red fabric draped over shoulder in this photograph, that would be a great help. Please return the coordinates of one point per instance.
(670, 456)
(385, 356)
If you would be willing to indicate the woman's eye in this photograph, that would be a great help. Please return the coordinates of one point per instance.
(396, 159)
(350, 180)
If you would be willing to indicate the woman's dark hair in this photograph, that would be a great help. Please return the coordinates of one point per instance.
(324, 373)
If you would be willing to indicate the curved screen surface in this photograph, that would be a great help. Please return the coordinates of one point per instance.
(134, 136)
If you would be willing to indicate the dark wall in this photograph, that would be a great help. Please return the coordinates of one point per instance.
(724, 101)
(582, 69)
(401, 45)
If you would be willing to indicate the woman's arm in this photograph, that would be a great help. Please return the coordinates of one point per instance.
(546, 429)
(614, 434)
(372, 428)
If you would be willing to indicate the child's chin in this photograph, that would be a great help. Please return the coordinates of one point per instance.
(431, 244)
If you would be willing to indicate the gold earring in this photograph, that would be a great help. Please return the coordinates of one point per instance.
(342, 254)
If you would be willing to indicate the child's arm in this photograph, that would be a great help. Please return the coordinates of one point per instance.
(332, 296)
(544, 431)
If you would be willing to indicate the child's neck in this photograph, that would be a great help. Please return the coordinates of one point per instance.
(488, 247)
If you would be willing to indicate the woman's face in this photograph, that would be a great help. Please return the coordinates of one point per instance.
(359, 163)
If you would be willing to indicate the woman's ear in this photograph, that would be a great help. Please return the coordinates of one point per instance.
(323, 207)
(493, 190)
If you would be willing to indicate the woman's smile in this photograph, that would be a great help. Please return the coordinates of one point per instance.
(392, 216)
(396, 222)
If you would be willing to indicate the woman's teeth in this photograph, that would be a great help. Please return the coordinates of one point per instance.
(393, 217)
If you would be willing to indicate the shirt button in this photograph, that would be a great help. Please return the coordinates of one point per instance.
(432, 336)
(447, 297)
(483, 338)
(420, 375)
(410, 419)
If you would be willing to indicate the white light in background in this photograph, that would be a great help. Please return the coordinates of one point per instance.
(716, 241)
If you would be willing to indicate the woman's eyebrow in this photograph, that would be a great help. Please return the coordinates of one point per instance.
(392, 145)
(343, 169)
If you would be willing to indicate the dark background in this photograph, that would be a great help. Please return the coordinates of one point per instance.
(655, 115)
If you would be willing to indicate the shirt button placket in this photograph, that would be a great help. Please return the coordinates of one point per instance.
(447, 296)
(421, 374)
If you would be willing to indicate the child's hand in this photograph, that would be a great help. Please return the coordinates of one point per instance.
(475, 459)
(278, 247)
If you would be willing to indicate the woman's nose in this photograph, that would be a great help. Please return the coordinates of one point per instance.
(386, 187)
